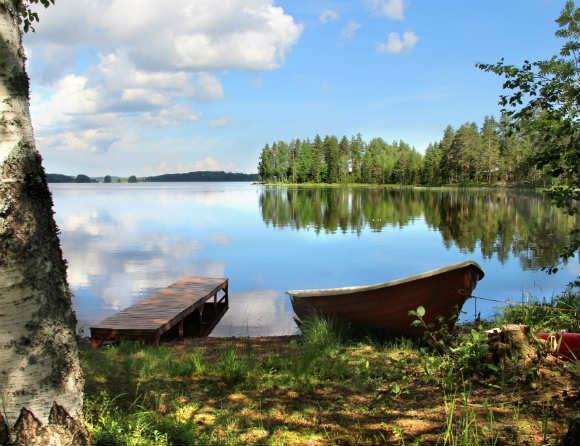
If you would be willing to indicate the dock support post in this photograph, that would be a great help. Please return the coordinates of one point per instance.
(181, 328)
(227, 293)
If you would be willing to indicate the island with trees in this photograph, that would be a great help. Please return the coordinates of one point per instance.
(204, 176)
(495, 152)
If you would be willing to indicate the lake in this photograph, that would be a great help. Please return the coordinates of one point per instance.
(123, 242)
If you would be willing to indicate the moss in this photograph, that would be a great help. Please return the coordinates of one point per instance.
(4, 432)
(19, 83)
(62, 363)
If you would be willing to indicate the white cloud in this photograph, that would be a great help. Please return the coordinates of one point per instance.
(91, 140)
(190, 36)
(84, 111)
(393, 9)
(149, 61)
(221, 121)
(71, 97)
(328, 15)
(117, 72)
(143, 98)
(348, 32)
(207, 87)
(395, 45)
(172, 116)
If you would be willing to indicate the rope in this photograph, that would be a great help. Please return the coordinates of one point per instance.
(544, 307)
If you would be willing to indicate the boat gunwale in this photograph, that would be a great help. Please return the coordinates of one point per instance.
(358, 289)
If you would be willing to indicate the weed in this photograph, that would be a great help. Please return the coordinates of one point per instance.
(234, 370)
(560, 313)
(325, 387)
(399, 433)
(546, 411)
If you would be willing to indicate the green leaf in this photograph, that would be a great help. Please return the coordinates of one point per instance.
(492, 367)
(421, 311)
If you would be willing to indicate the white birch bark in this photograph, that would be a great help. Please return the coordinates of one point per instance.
(39, 363)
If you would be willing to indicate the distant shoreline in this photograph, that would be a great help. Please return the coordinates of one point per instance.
(408, 186)
(198, 176)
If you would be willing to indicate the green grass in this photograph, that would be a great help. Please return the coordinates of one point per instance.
(331, 385)
(560, 313)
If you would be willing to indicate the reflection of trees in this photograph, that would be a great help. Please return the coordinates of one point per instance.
(498, 222)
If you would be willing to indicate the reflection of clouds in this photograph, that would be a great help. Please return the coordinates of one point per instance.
(257, 313)
(122, 244)
(223, 240)
(112, 266)
(208, 268)
(211, 196)
(258, 278)
(238, 199)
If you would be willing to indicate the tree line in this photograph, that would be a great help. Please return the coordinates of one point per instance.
(204, 176)
(171, 177)
(495, 152)
(81, 178)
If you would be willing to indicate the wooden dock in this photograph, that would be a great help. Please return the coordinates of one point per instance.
(165, 310)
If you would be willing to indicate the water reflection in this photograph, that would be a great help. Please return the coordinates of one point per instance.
(257, 313)
(495, 223)
(125, 242)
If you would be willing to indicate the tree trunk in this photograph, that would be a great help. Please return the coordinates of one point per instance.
(40, 377)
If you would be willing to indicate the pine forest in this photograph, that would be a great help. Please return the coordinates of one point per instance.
(491, 154)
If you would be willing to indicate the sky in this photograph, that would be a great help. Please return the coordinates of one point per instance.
(146, 87)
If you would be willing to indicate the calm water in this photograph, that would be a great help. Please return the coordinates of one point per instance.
(124, 242)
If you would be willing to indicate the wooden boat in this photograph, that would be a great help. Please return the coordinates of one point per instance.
(563, 345)
(385, 307)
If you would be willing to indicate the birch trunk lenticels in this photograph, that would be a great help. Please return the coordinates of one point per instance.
(40, 377)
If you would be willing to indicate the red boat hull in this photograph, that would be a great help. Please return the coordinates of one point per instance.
(565, 345)
(385, 307)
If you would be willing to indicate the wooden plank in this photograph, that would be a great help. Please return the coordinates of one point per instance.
(161, 311)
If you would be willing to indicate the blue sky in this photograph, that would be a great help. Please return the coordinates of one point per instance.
(126, 87)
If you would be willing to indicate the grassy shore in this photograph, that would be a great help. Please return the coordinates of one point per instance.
(330, 387)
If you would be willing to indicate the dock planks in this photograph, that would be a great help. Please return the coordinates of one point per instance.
(148, 319)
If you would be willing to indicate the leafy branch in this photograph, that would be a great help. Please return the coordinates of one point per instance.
(26, 15)
(544, 98)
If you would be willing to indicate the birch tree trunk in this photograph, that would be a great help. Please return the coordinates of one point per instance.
(40, 377)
